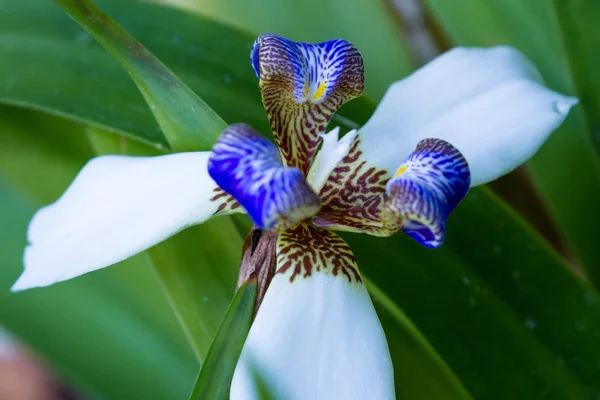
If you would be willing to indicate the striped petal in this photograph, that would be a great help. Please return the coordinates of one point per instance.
(316, 334)
(248, 166)
(353, 194)
(425, 189)
(302, 86)
(116, 207)
(489, 103)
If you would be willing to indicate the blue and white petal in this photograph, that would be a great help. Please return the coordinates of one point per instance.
(116, 207)
(489, 103)
(302, 86)
(424, 190)
(248, 167)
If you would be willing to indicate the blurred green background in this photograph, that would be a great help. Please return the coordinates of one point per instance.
(507, 308)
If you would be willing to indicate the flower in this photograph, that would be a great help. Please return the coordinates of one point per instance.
(466, 118)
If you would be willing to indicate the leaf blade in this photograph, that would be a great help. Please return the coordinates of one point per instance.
(215, 377)
(186, 120)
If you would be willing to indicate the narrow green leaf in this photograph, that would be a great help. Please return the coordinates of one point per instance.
(578, 23)
(40, 154)
(567, 168)
(419, 371)
(198, 270)
(216, 374)
(186, 120)
(49, 63)
(102, 142)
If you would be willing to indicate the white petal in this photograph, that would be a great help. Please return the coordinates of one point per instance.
(333, 150)
(315, 338)
(116, 207)
(489, 103)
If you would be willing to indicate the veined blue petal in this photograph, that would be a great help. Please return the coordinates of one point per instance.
(248, 167)
(302, 85)
(425, 189)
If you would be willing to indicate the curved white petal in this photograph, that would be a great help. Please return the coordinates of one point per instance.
(315, 338)
(489, 103)
(116, 207)
(332, 152)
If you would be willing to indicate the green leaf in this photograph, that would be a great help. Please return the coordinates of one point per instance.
(89, 329)
(198, 270)
(51, 64)
(31, 142)
(578, 23)
(216, 374)
(186, 120)
(567, 168)
(369, 25)
(419, 371)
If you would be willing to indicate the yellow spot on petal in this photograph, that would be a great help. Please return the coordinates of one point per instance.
(320, 90)
(401, 170)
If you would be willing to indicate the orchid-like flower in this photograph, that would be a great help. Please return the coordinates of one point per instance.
(465, 119)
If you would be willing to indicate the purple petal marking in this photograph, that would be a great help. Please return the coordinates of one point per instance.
(302, 86)
(248, 167)
(426, 188)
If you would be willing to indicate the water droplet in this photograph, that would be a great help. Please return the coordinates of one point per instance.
(205, 299)
(564, 105)
(497, 249)
(530, 323)
(466, 281)
(227, 79)
(472, 301)
(591, 298)
(83, 36)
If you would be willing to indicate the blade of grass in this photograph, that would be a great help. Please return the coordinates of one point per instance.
(186, 120)
(216, 374)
